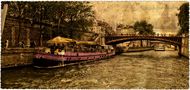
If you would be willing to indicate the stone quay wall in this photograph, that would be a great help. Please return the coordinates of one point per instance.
(185, 46)
(26, 33)
(12, 57)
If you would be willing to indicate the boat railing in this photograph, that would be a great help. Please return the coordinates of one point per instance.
(78, 54)
(70, 54)
(83, 53)
(90, 53)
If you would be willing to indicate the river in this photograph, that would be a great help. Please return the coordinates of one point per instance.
(148, 69)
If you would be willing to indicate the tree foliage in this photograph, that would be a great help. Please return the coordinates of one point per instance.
(105, 27)
(143, 27)
(69, 16)
(183, 18)
(18, 10)
(122, 26)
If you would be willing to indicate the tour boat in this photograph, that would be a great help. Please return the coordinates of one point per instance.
(159, 48)
(64, 51)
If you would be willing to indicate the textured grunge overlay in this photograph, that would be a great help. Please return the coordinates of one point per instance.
(94, 45)
(161, 14)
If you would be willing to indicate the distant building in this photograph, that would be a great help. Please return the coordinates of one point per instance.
(167, 23)
(129, 30)
(126, 31)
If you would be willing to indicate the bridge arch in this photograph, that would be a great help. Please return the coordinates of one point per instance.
(173, 40)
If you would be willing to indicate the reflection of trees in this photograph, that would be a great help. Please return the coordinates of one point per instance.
(183, 18)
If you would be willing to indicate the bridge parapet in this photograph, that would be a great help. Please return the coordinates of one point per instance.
(119, 38)
(156, 35)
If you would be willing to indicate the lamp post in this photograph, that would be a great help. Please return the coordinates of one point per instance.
(3, 17)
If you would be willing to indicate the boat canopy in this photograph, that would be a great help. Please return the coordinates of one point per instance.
(60, 40)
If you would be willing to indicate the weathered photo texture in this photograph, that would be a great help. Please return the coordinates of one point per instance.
(94, 45)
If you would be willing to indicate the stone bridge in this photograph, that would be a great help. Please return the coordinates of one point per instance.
(168, 38)
(116, 39)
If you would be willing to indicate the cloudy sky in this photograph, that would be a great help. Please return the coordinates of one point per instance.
(129, 12)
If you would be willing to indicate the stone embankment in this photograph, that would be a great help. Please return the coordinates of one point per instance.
(185, 46)
(12, 57)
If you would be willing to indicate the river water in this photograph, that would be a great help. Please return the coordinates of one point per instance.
(148, 69)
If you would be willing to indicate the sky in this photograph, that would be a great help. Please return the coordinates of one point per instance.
(164, 20)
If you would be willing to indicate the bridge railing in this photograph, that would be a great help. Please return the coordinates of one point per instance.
(153, 35)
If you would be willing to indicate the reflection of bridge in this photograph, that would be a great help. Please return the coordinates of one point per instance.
(170, 39)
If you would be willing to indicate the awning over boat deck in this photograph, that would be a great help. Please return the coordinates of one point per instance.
(60, 40)
(86, 42)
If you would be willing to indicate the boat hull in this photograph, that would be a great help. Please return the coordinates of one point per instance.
(51, 61)
(46, 63)
(159, 49)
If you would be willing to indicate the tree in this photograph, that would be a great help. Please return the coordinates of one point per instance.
(105, 27)
(68, 17)
(121, 26)
(183, 18)
(79, 17)
(19, 11)
(41, 12)
(144, 28)
(72, 17)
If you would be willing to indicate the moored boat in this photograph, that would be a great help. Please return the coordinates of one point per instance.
(159, 48)
(63, 51)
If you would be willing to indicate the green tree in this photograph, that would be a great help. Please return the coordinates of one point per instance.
(183, 18)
